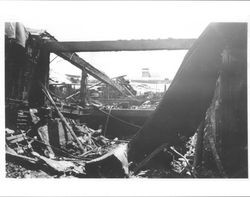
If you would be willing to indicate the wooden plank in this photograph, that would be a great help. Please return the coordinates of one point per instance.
(121, 45)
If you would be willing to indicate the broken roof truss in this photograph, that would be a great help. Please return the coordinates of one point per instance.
(66, 50)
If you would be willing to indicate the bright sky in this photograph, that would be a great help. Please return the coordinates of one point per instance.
(82, 21)
(162, 64)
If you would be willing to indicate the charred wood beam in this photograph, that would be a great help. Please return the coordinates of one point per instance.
(45, 91)
(83, 89)
(82, 64)
(120, 45)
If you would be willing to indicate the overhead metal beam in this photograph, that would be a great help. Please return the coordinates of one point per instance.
(120, 45)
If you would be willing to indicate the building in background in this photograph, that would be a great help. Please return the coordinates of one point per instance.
(149, 82)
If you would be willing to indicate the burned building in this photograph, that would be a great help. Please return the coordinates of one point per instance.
(205, 103)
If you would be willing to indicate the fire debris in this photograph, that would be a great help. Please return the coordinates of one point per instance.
(208, 94)
(76, 145)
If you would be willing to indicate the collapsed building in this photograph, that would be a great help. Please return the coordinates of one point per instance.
(205, 103)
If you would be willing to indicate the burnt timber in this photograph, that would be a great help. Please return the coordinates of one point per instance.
(66, 50)
(144, 113)
(83, 65)
(120, 45)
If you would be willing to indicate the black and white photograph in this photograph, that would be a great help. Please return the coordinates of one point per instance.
(125, 90)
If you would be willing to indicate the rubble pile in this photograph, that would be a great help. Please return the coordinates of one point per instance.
(48, 146)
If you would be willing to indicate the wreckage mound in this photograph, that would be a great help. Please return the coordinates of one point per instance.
(14, 170)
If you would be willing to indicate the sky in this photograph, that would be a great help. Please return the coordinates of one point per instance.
(162, 64)
(86, 21)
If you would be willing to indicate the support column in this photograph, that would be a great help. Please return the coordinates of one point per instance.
(41, 75)
(83, 88)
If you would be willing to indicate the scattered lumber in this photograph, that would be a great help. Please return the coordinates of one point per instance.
(149, 157)
(37, 145)
(61, 166)
(62, 117)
